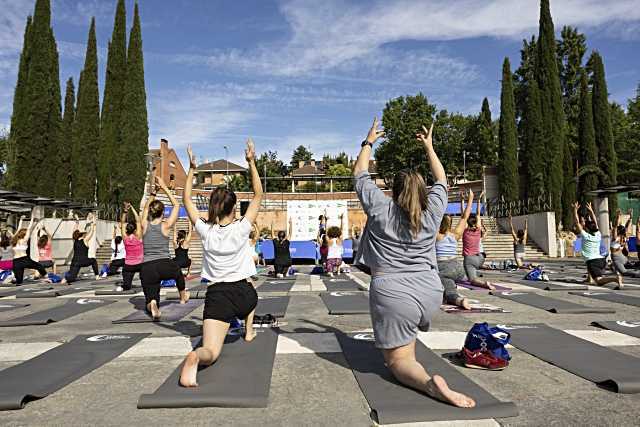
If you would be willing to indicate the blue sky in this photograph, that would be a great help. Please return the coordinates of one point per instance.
(316, 72)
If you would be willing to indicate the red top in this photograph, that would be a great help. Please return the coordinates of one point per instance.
(44, 254)
(134, 250)
(471, 242)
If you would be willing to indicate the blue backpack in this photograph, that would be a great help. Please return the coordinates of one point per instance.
(535, 274)
(54, 278)
(4, 274)
(104, 270)
(169, 283)
(494, 339)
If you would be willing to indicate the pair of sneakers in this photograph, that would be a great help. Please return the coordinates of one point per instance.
(483, 359)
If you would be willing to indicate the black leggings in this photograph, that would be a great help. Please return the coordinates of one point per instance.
(153, 272)
(282, 268)
(114, 266)
(22, 263)
(72, 274)
(128, 272)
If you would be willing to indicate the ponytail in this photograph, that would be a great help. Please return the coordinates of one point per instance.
(410, 195)
(221, 204)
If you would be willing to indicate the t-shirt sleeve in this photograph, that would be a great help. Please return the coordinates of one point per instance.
(202, 228)
(437, 200)
(368, 192)
(244, 227)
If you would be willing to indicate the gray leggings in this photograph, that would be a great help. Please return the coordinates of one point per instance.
(618, 260)
(449, 271)
(472, 263)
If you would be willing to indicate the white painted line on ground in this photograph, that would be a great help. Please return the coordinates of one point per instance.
(604, 337)
(320, 287)
(308, 343)
(443, 340)
(159, 347)
(363, 285)
(300, 288)
(460, 423)
(15, 352)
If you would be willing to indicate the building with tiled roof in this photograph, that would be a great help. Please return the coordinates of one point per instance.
(212, 174)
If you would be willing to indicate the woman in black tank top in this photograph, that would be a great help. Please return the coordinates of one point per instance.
(181, 244)
(81, 258)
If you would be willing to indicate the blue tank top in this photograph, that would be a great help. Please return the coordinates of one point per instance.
(447, 246)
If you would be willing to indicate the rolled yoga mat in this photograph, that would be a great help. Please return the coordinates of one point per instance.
(627, 327)
(346, 302)
(170, 311)
(240, 378)
(610, 297)
(608, 368)
(550, 304)
(8, 306)
(69, 309)
(393, 403)
(276, 285)
(340, 284)
(275, 306)
(49, 372)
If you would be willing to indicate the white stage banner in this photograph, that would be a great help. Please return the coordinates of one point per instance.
(305, 214)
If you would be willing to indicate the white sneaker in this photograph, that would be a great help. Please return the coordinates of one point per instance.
(279, 276)
(118, 289)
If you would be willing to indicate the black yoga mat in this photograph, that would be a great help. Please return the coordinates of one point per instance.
(610, 297)
(52, 292)
(393, 403)
(110, 292)
(8, 306)
(608, 368)
(240, 378)
(275, 306)
(49, 372)
(26, 289)
(573, 280)
(276, 285)
(549, 286)
(627, 327)
(69, 309)
(346, 302)
(170, 311)
(551, 305)
(340, 284)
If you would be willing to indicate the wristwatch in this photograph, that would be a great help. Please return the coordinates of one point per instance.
(365, 143)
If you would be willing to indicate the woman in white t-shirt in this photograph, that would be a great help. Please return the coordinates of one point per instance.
(227, 263)
(118, 254)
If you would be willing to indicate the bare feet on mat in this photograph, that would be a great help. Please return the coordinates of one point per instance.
(438, 389)
(184, 296)
(464, 303)
(249, 335)
(490, 286)
(189, 370)
(620, 284)
(153, 308)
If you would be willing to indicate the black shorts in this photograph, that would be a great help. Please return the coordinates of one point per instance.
(183, 263)
(226, 300)
(596, 267)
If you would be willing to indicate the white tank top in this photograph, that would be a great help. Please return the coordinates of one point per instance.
(335, 250)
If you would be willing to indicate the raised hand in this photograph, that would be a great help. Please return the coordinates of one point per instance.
(374, 132)
(576, 206)
(192, 159)
(127, 206)
(589, 206)
(250, 151)
(160, 182)
(426, 137)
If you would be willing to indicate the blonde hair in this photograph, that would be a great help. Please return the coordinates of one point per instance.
(410, 194)
(445, 224)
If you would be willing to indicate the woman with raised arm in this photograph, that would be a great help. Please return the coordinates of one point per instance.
(591, 240)
(226, 263)
(6, 251)
(21, 258)
(519, 241)
(356, 234)
(472, 250)
(449, 268)
(118, 253)
(45, 254)
(335, 249)
(181, 244)
(157, 264)
(398, 246)
(81, 242)
(134, 249)
(282, 256)
(619, 247)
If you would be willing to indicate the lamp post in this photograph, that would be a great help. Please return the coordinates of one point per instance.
(226, 158)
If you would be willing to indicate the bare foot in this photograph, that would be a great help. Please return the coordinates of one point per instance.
(438, 389)
(184, 296)
(490, 286)
(464, 303)
(189, 370)
(153, 308)
(620, 284)
(249, 335)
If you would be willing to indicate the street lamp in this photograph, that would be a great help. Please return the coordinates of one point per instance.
(226, 157)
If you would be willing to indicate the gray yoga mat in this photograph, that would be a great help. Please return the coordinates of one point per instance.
(170, 311)
(275, 306)
(602, 365)
(26, 288)
(240, 378)
(109, 292)
(610, 297)
(393, 403)
(627, 327)
(340, 284)
(346, 302)
(550, 286)
(276, 286)
(550, 304)
(51, 293)
(49, 372)
(69, 309)
(8, 306)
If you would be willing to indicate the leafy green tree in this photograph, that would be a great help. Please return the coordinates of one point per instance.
(340, 159)
(111, 117)
(340, 169)
(239, 183)
(522, 76)
(63, 178)
(553, 118)
(481, 144)
(300, 154)
(589, 170)
(86, 128)
(451, 132)
(4, 145)
(626, 133)
(275, 168)
(508, 175)
(130, 173)
(402, 119)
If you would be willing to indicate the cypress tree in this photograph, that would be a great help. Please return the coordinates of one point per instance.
(602, 126)
(63, 178)
(535, 153)
(110, 125)
(480, 143)
(588, 172)
(553, 119)
(86, 128)
(19, 117)
(54, 125)
(131, 170)
(508, 176)
(38, 139)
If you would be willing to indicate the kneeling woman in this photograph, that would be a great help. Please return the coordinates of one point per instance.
(181, 244)
(157, 264)
(81, 241)
(22, 260)
(227, 264)
(398, 247)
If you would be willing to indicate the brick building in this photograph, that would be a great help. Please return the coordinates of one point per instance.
(211, 174)
(167, 165)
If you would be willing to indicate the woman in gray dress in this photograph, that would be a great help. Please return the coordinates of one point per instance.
(398, 246)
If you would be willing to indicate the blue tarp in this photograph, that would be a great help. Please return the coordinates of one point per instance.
(454, 208)
(302, 249)
(633, 247)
